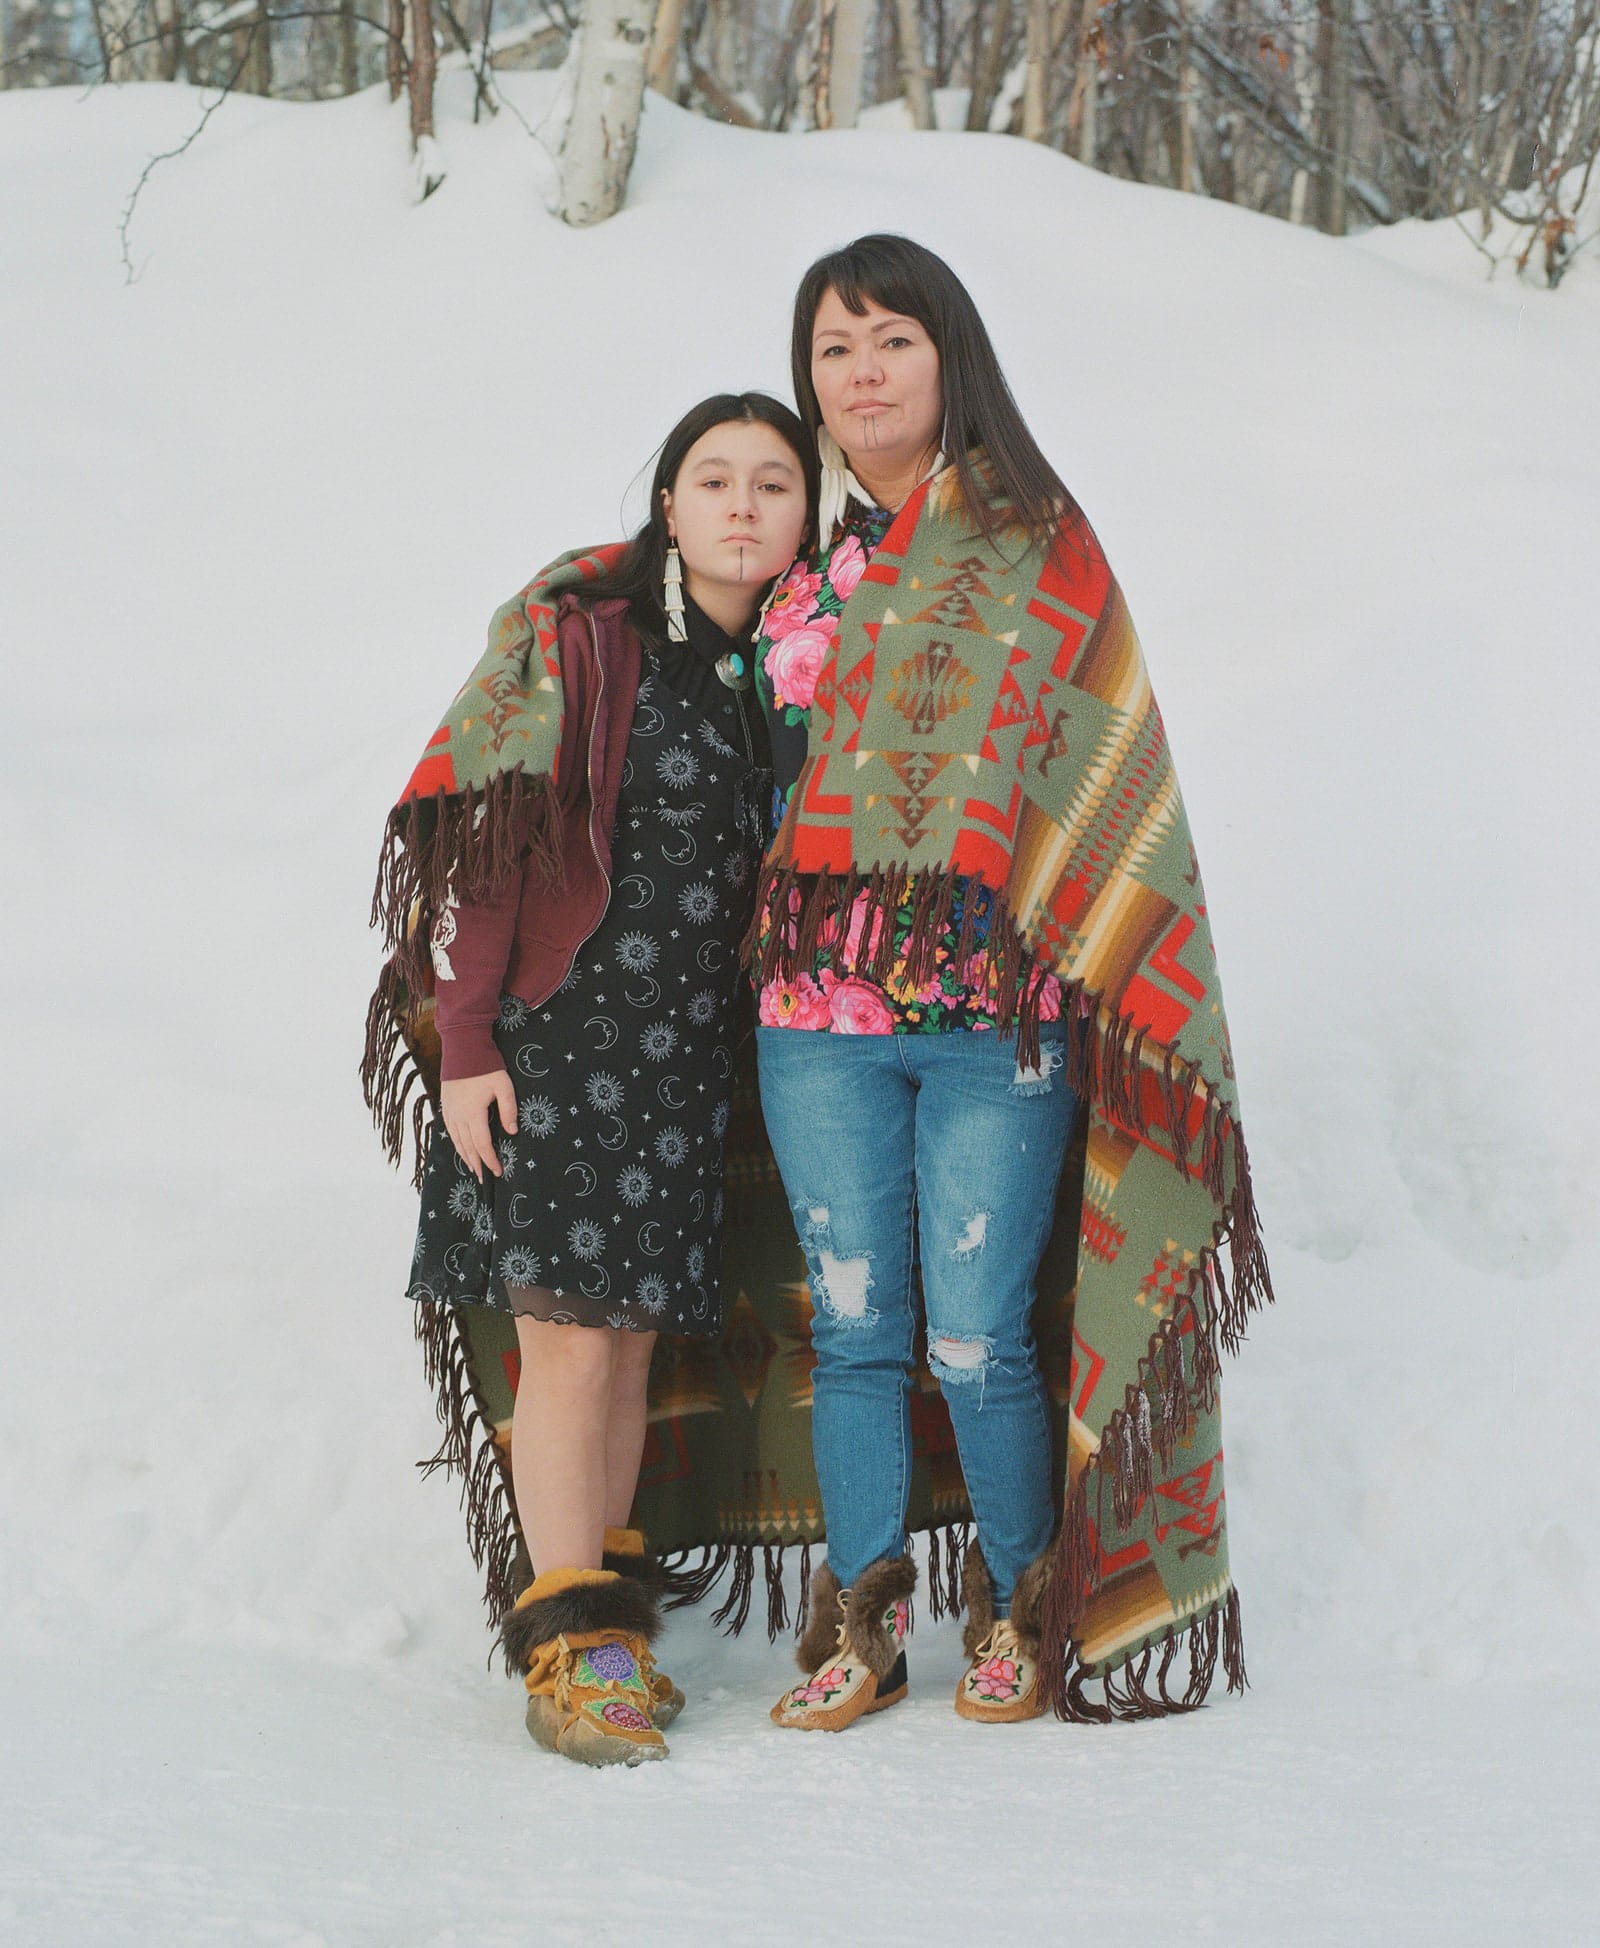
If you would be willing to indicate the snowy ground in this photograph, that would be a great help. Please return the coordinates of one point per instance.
(257, 508)
(301, 1803)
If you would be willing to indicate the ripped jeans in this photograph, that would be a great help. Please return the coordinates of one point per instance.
(875, 1134)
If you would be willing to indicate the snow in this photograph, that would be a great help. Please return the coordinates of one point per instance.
(258, 507)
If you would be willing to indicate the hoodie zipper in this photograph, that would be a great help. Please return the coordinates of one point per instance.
(594, 725)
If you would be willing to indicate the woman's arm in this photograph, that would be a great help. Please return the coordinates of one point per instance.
(471, 946)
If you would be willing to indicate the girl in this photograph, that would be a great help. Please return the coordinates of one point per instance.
(969, 927)
(583, 836)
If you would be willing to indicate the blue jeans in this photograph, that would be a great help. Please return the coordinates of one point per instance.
(875, 1134)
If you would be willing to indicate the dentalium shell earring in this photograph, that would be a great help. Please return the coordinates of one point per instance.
(672, 596)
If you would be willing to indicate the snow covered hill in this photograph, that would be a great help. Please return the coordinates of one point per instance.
(257, 507)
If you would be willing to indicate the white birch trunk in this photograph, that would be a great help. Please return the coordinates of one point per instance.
(840, 98)
(664, 48)
(1306, 100)
(612, 55)
(914, 64)
(1034, 96)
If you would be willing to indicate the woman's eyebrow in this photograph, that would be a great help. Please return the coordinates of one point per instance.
(783, 466)
(882, 324)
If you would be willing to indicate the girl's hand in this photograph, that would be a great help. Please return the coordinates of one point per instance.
(466, 1116)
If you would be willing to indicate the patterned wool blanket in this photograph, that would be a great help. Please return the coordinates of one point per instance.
(986, 714)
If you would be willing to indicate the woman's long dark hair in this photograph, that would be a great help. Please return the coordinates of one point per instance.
(637, 576)
(979, 410)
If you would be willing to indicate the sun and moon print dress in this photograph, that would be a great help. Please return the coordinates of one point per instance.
(611, 1197)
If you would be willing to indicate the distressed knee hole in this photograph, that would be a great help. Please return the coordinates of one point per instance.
(956, 1362)
(840, 1284)
(971, 1240)
(844, 1284)
(1038, 1081)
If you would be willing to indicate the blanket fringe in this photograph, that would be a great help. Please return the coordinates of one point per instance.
(1176, 1381)
(1106, 1062)
(1127, 1690)
(688, 1581)
(459, 844)
(468, 1451)
(810, 935)
(390, 1079)
(1131, 1690)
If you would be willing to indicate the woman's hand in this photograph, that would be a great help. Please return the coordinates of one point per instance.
(466, 1116)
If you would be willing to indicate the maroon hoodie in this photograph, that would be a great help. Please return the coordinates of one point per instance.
(524, 939)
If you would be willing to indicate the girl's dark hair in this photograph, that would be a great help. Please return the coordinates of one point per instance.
(979, 410)
(637, 576)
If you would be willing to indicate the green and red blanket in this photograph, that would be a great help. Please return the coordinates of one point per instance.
(986, 714)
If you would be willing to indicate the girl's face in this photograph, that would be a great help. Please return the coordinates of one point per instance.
(878, 384)
(737, 509)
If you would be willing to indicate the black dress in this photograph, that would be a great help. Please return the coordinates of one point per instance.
(611, 1197)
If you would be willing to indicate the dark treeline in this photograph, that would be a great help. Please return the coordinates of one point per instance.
(1337, 113)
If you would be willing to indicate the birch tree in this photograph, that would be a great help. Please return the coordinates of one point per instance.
(422, 64)
(663, 75)
(914, 63)
(610, 55)
(841, 59)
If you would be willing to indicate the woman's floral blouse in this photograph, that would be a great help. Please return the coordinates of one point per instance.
(798, 636)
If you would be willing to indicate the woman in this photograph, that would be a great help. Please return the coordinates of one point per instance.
(583, 835)
(970, 919)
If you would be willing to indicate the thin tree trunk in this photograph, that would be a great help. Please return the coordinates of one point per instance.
(786, 89)
(913, 64)
(423, 67)
(394, 59)
(612, 54)
(1342, 117)
(987, 64)
(1035, 92)
(718, 100)
(1327, 61)
(257, 78)
(664, 48)
(1082, 109)
(349, 62)
(841, 56)
(1185, 101)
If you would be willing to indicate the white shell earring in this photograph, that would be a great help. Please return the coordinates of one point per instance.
(672, 596)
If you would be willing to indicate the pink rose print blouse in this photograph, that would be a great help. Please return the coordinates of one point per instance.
(802, 622)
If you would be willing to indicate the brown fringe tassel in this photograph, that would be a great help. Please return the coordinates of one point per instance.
(1104, 1065)
(1175, 1382)
(736, 1605)
(463, 844)
(1127, 1689)
(683, 1583)
(468, 1450)
(390, 1078)
(466, 843)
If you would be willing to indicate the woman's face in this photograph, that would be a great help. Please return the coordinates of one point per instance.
(878, 383)
(737, 509)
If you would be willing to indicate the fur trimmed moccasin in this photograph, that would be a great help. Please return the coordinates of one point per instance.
(1001, 1683)
(853, 1647)
(583, 1638)
(626, 1553)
